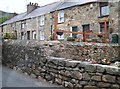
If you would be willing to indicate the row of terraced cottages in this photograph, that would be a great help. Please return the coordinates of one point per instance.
(38, 22)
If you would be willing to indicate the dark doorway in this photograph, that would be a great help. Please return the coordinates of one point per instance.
(86, 28)
(28, 35)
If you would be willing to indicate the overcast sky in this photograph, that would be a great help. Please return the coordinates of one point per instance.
(19, 6)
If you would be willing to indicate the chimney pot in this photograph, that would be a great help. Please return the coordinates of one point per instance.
(31, 7)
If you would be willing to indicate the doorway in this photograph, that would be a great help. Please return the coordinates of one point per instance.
(86, 28)
(28, 35)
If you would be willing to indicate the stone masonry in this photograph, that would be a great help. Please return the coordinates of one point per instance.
(31, 58)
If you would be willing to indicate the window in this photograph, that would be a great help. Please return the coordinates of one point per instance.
(74, 29)
(22, 35)
(104, 9)
(34, 34)
(23, 23)
(102, 28)
(42, 19)
(60, 16)
(42, 35)
(13, 26)
(2, 29)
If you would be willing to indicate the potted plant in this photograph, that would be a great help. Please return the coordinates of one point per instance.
(105, 61)
(78, 39)
(117, 64)
(94, 40)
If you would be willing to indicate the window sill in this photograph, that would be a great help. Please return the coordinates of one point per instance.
(41, 25)
(103, 16)
(60, 22)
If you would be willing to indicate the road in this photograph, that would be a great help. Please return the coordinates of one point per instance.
(11, 78)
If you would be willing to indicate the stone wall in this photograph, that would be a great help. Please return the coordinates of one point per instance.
(92, 51)
(32, 59)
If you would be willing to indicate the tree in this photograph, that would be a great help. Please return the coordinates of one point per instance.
(3, 19)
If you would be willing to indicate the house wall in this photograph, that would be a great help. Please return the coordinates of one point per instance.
(6, 28)
(48, 23)
(119, 20)
(82, 15)
(89, 15)
(30, 26)
(114, 16)
(19, 30)
(74, 16)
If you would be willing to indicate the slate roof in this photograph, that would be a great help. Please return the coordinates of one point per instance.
(46, 9)
(42, 10)
(72, 3)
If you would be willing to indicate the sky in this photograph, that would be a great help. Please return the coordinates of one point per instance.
(19, 6)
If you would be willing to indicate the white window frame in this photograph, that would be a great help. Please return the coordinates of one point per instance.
(42, 35)
(23, 23)
(42, 20)
(13, 26)
(104, 10)
(34, 34)
(61, 16)
(71, 31)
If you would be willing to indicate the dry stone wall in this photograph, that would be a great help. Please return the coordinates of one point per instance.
(90, 51)
(31, 58)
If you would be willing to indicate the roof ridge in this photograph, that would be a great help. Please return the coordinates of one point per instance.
(49, 4)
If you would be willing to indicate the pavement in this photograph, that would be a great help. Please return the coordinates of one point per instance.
(11, 78)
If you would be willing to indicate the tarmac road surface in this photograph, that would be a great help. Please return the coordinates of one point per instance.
(11, 78)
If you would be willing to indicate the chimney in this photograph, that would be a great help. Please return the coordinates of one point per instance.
(31, 7)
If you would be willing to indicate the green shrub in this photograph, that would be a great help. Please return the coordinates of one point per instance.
(9, 36)
(70, 39)
(6, 36)
(52, 37)
(13, 36)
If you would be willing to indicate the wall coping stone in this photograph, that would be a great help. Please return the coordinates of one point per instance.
(86, 43)
(92, 67)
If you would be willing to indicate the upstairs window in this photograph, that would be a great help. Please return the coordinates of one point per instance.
(13, 26)
(104, 9)
(60, 16)
(23, 23)
(42, 20)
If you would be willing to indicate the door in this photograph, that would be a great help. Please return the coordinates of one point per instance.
(28, 35)
(86, 28)
(22, 35)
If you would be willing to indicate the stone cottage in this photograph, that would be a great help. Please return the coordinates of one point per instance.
(39, 23)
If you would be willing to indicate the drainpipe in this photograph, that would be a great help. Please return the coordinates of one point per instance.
(55, 24)
(105, 29)
(37, 28)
